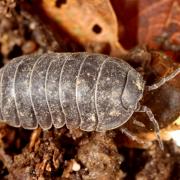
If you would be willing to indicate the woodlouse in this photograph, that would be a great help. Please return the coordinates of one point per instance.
(93, 92)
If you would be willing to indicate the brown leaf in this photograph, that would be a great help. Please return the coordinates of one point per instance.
(159, 24)
(127, 15)
(92, 23)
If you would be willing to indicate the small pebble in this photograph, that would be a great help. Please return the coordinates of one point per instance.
(76, 166)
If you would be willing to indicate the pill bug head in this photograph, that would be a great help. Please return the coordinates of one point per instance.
(133, 90)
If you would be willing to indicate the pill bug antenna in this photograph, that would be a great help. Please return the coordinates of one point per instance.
(149, 113)
(163, 80)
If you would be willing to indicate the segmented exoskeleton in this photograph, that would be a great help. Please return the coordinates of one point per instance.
(93, 92)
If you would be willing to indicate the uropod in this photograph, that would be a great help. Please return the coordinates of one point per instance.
(93, 92)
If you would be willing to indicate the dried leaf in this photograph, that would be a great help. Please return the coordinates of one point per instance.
(92, 23)
(159, 24)
(127, 15)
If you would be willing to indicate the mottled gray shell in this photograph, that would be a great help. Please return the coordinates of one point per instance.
(92, 92)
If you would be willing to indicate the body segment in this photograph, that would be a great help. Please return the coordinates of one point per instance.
(22, 97)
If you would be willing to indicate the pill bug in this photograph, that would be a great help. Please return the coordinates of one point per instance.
(93, 92)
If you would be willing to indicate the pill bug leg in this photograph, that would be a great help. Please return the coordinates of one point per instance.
(131, 135)
(149, 113)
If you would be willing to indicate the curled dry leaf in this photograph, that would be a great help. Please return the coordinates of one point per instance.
(92, 23)
(159, 24)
